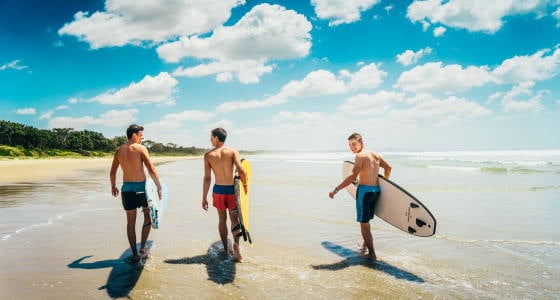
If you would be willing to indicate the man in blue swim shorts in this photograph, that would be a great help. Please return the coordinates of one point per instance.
(366, 168)
(132, 157)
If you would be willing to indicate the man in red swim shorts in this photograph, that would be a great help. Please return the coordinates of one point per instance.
(221, 161)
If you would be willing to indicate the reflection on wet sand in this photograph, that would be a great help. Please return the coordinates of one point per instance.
(353, 258)
(124, 274)
(219, 265)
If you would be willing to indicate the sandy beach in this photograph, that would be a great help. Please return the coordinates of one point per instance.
(497, 234)
(33, 170)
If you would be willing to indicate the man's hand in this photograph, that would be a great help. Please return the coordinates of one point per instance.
(205, 204)
(159, 193)
(331, 194)
(114, 191)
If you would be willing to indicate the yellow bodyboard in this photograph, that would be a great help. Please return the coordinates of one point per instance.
(242, 200)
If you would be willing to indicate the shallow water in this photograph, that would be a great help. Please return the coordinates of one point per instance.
(497, 234)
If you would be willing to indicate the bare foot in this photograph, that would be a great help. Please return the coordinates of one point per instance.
(362, 248)
(236, 253)
(135, 258)
(144, 253)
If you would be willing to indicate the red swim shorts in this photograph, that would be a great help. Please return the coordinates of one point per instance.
(224, 197)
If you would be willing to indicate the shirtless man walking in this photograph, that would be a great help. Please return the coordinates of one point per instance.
(132, 157)
(366, 168)
(221, 161)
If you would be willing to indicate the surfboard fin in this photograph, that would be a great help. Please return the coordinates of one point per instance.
(411, 230)
(420, 223)
(413, 205)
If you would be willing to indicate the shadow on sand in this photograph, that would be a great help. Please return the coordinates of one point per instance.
(353, 258)
(220, 266)
(123, 276)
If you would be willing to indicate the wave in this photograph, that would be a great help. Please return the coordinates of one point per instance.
(517, 242)
(49, 222)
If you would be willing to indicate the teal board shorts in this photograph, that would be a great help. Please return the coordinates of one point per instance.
(366, 198)
(133, 195)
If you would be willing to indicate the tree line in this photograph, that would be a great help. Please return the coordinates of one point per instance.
(80, 141)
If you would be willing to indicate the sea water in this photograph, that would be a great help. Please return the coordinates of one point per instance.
(497, 233)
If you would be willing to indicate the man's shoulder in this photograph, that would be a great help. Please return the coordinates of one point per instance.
(367, 154)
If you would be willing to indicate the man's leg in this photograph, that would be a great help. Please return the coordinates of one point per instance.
(368, 239)
(222, 228)
(234, 218)
(145, 229)
(131, 231)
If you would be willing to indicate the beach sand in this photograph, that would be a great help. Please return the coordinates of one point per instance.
(497, 236)
(33, 170)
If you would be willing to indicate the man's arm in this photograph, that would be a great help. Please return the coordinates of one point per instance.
(349, 179)
(151, 169)
(240, 170)
(206, 182)
(386, 167)
(113, 176)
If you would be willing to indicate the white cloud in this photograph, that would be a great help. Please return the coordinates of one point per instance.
(522, 99)
(249, 104)
(544, 64)
(301, 116)
(112, 118)
(26, 111)
(265, 33)
(410, 57)
(176, 120)
(13, 65)
(433, 77)
(137, 21)
(556, 15)
(439, 31)
(368, 77)
(48, 114)
(341, 12)
(159, 89)
(316, 83)
(439, 112)
(472, 15)
(370, 105)
(246, 71)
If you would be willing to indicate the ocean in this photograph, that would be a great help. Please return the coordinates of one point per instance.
(497, 237)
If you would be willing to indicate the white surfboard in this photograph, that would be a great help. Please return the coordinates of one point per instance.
(397, 207)
(156, 205)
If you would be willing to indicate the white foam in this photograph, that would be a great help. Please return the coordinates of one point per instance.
(49, 222)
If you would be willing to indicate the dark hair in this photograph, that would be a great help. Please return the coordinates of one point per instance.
(220, 133)
(356, 136)
(132, 129)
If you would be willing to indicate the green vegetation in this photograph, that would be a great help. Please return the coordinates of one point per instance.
(18, 140)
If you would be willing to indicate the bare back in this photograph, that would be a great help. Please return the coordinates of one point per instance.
(222, 161)
(368, 163)
(131, 158)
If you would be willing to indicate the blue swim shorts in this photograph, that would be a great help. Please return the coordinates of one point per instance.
(366, 198)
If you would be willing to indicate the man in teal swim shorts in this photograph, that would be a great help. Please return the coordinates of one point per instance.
(132, 157)
(366, 168)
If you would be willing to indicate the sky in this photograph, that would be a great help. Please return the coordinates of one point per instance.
(289, 75)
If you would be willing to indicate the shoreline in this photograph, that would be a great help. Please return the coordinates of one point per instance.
(37, 169)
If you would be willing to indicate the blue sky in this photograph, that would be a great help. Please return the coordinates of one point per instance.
(289, 75)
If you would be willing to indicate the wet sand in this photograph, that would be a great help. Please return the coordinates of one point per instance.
(66, 238)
